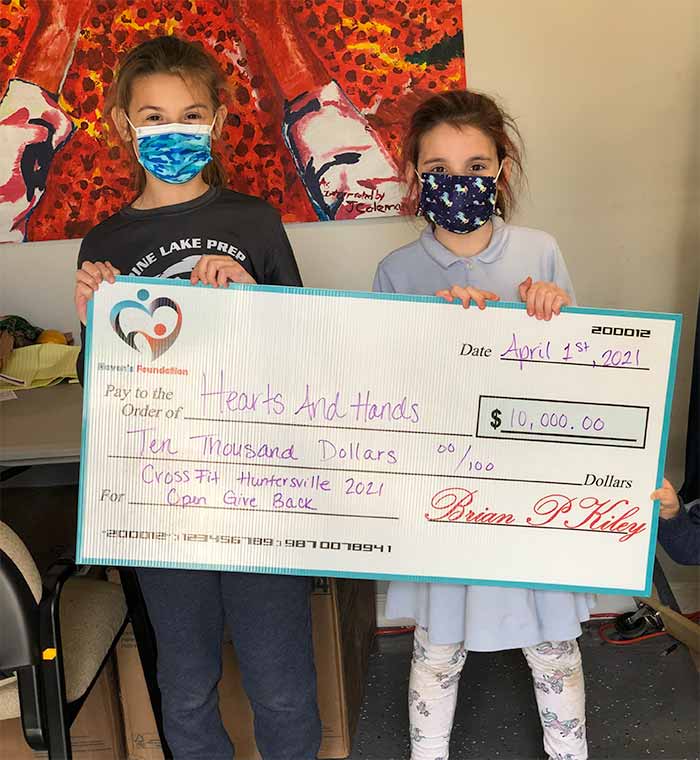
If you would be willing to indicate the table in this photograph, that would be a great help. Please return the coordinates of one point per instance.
(41, 426)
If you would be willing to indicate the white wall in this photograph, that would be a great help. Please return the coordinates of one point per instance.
(606, 95)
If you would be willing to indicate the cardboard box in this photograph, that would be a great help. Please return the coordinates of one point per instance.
(343, 615)
(142, 741)
(96, 734)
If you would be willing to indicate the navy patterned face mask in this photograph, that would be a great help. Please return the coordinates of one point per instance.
(458, 203)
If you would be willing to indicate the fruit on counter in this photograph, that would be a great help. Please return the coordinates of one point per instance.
(16, 332)
(52, 336)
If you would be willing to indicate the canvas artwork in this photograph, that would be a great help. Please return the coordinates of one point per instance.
(318, 96)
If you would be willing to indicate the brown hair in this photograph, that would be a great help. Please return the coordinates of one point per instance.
(462, 108)
(168, 55)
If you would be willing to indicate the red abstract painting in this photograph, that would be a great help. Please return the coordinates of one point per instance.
(319, 92)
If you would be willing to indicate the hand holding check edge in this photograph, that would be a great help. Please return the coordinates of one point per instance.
(542, 299)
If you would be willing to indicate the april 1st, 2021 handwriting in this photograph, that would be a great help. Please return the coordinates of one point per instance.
(575, 352)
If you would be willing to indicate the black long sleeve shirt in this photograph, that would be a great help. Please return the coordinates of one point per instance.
(169, 241)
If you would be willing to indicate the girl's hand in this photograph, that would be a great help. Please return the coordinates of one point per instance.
(467, 295)
(218, 271)
(87, 279)
(543, 299)
(669, 506)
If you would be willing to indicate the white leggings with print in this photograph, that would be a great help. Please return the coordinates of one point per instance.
(559, 690)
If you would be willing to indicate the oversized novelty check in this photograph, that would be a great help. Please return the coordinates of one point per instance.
(348, 434)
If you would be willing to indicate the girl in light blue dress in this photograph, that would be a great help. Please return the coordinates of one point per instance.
(461, 154)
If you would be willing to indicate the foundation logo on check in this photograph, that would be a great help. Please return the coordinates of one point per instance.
(147, 326)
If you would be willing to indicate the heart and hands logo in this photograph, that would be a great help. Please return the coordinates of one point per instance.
(165, 324)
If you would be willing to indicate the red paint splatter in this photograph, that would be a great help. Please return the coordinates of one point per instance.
(362, 44)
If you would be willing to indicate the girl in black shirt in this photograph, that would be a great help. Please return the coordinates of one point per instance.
(166, 103)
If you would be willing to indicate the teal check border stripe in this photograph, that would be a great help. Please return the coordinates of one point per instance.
(233, 287)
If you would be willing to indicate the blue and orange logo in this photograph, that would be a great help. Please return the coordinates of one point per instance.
(164, 336)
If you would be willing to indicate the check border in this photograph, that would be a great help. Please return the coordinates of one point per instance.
(232, 288)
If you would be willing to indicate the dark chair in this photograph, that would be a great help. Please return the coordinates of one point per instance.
(57, 633)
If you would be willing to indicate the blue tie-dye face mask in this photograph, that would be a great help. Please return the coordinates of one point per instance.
(458, 203)
(175, 152)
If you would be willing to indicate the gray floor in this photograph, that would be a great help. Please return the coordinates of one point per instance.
(642, 703)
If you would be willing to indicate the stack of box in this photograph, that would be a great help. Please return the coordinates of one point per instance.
(96, 734)
(344, 622)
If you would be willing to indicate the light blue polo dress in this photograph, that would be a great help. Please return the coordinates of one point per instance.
(486, 618)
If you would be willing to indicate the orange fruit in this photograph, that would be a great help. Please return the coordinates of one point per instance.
(52, 336)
